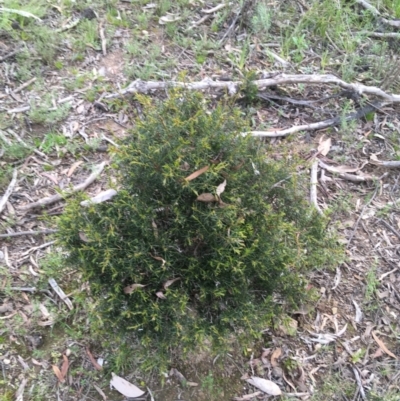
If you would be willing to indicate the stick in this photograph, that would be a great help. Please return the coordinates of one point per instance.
(55, 198)
(9, 190)
(17, 234)
(313, 186)
(316, 126)
(140, 86)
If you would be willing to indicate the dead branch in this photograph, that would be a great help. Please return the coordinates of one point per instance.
(382, 163)
(9, 190)
(313, 186)
(18, 233)
(375, 11)
(319, 125)
(347, 176)
(55, 198)
(140, 86)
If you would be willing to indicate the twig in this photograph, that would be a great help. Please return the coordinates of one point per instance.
(374, 11)
(27, 289)
(313, 186)
(9, 190)
(18, 138)
(24, 85)
(17, 234)
(346, 176)
(55, 198)
(359, 383)
(319, 125)
(387, 225)
(13, 53)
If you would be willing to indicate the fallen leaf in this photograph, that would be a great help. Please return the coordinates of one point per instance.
(160, 259)
(73, 168)
(100, 391)
(130, 288)
(206, 197)
(161, 295)
(383, 346)
(275, 355)
(169, 18)
(197, 173)
(127, 389)
(221, 188)
(267, 386)
(170, 282)
(343, 169)
(96, 365)
(64, 366)
(101, 197)
(325, 146)
(50, 177)
(57, 372)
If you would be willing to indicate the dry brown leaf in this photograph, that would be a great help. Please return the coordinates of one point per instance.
(94, 362)
(197, 173)
(73, 168)
(206, 197)
(160, 259)
(343, 169)
(64, 366)
(127, 389)
(221, 188)
(324, 146)
(383, 346)
(100, 391)
(170, 282)
(57, 372)
(130, 288)
(161, 295)
(50, 177)
(274, 357)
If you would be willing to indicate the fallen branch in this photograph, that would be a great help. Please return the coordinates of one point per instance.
(375, 11)
(9, 190)
(382, 163)
(347, 176)
(17, 234)
(140, 86)
(55, 198)
(317, 126)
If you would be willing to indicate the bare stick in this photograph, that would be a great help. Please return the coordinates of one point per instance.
(319, 125)
(313, 186)
(376, 12)
(17, 234)
(9, 190)
(139, 86)
(55, 198)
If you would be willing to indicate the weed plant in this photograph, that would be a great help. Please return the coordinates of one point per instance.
(175, 271)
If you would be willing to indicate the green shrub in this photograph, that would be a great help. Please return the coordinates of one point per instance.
(196, 269)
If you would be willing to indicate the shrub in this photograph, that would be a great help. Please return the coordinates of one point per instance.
(174, 269)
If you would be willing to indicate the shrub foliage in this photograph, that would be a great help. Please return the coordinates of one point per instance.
(173, 269)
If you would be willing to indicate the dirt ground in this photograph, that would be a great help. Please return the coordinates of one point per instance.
(58, 124)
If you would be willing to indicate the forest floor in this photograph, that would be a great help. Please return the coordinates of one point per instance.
(59, 64)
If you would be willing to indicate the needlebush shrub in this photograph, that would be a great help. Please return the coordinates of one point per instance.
(234, 259)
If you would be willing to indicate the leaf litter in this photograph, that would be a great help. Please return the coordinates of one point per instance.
(375, 240)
